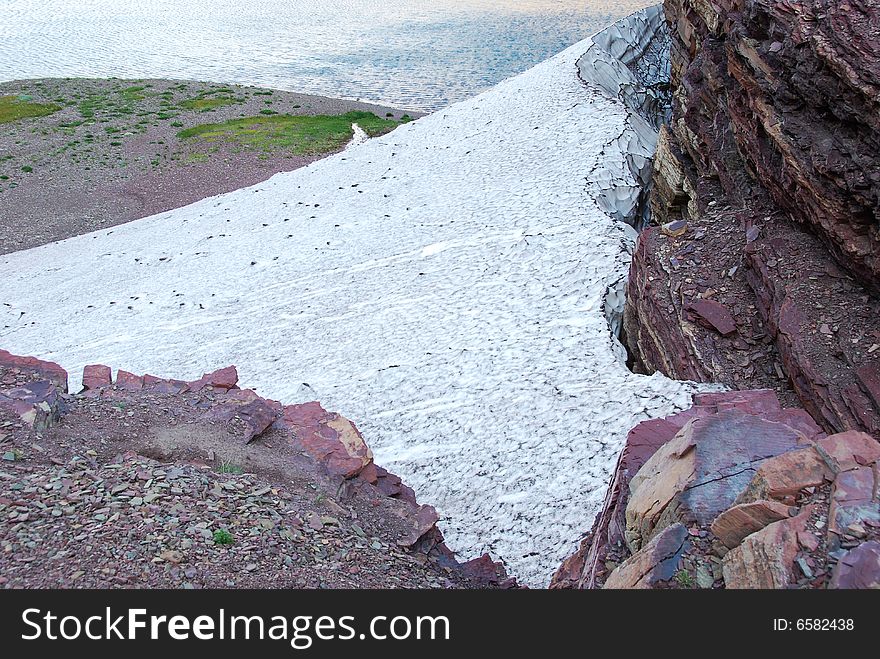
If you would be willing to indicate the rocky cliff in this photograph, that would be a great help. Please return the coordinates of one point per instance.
(762, 271)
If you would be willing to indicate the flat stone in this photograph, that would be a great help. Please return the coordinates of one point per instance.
(735, 523)
(849, 450)
(859, 568)
(658, 561)
(713, 315)
(257, 415)
(766, 558)
(45, 369)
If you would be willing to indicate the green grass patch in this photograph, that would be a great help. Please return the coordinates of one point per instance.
(223, 537)
(303, 135)
(13, 108)
(27, 169)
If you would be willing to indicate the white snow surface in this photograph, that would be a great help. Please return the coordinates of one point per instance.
(443, 286)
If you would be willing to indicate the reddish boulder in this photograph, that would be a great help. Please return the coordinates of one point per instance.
(96, 376)
(223, 378)
(849, 450)
(735, 523)
(329, 437)
(765, 559)
(859, 568)
(257, 415)
(702, 471)
(787, 474)
(657, 561)
(129, 381)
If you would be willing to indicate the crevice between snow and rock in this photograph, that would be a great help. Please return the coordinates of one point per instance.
(444, 286)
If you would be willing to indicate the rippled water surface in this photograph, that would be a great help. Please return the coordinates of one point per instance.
(418, 54)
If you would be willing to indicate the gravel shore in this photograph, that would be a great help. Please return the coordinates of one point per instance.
(112, 154)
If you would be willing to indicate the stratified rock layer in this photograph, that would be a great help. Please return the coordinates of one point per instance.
(770, 161)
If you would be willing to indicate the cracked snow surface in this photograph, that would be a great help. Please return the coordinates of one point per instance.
(443, 286)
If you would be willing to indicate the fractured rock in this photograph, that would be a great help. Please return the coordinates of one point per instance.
(854, 500)
(742, 520)
(713, 315)
(849, 450)
(787, 474)
(701, 471)
(765, 559)
(658, 561)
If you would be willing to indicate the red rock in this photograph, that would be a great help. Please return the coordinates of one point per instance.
(808, 541)
(860, 568)
(257, 415)
(129, 381)
(741, 520)
(713, 315)
(45, 369)
(702, 471)
(848, 450)
(658, 561)
(224, 378)
(484, 570)
(330, 438)
(96, 376)
(765, 559)
(425, 520)
(869, 378)
(787, 474)
(854, 500)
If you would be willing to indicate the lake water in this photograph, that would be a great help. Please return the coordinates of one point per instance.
(414, 54)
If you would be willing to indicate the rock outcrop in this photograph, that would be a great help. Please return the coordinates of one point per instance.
(736, 492)
(769, 172)
(212, 423)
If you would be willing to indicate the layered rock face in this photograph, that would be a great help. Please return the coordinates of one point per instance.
(736, 492)
(764, 270)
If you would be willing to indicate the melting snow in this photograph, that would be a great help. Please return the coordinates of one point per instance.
(443, 286)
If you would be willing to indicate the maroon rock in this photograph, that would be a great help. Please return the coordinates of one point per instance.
(586, 567)
(257, 415)
(484, 570)
(766, 559)
(330, 438)
(869, 378)
(38, 403)
(854, 500)
(702, 471)
(859, 568)
(656, 562)
(129, 381)
(770, 158)
(44, 369)
(713, 315)
(96, 376)
(224, 378)
(741, 520)
(425, 520)
(849, 450)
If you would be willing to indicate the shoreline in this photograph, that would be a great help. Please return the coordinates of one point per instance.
(111, 154)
